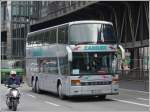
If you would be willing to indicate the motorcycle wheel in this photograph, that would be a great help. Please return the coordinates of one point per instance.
(14, 107)
(7, 103)
(10, 107)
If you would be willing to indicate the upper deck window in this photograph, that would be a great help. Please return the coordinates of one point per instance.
(63, 34)
(91, 33)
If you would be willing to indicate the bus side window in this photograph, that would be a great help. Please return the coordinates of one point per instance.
(48, 65)
(63, 63)
(29, 40)
(40, 37)
(45, 37)
(63, 34)
(52, 36)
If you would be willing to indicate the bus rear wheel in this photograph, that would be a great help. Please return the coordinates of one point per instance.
(33, 86)
(37, 89)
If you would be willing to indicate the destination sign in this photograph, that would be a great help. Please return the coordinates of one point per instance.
(93, 48)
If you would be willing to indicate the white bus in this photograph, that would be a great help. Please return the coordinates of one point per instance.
(73, 59)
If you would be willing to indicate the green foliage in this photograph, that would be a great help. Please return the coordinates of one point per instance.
(118, 53)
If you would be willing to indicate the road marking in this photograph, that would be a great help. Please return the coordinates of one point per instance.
(135, 90)
(142, 99)
(124, 101)
(51, 103)
(31, 95)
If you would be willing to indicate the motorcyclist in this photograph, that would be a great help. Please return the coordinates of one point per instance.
(13, 79)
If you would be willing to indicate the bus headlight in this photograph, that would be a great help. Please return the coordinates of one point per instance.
(75, 82)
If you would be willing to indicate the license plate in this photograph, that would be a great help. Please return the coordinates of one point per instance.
(99, 91)
(96, 91)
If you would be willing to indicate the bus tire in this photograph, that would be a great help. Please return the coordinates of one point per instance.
(37, 89)
(33, 86)
(102, 97)
(59, 90)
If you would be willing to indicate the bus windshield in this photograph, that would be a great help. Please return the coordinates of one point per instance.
(93, 63)
(91, 33)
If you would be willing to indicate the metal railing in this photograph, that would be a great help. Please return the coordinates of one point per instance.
(63, 6)
(134, 75)
(135, 69)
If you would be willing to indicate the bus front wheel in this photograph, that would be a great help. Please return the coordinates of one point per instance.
(60, 94)
(102, 97)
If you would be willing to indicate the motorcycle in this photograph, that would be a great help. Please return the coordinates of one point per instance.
(12, 98)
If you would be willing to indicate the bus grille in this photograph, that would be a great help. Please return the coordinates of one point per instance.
(95, 83)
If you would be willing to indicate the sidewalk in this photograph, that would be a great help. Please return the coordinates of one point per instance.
(135, 85)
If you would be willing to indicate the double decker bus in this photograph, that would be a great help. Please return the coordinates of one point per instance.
(73, 59)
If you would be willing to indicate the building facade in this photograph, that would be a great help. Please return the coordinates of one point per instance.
(15, 19)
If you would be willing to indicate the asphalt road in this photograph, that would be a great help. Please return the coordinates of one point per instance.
(127, 100)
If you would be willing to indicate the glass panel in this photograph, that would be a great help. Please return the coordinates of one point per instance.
(15, 10)
(22, 10)
(94, 63)
(28, 40)
(48, 65)
(46, 37)
(39, 38)
(63, 35)
(32, 39)
(63, 63)
(53, 36)
(91, 33)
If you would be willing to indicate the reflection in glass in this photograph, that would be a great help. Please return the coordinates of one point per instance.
(91, 33)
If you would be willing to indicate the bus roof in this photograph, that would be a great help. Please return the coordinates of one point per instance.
(71, 23)
(90, 21)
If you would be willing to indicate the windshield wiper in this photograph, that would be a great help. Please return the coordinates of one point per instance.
(102, 72)
(85, 42)
(106, 41)
(100, 41)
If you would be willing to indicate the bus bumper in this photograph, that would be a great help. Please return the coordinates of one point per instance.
(94, 90)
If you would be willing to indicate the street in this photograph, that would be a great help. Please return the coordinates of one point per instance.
(127, 100)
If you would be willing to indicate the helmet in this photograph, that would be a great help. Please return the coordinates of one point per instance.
(13, 73)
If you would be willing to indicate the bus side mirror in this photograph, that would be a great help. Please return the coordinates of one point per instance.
(122, 52)
(69, 54)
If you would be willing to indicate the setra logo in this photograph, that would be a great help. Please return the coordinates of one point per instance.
(105, 77)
